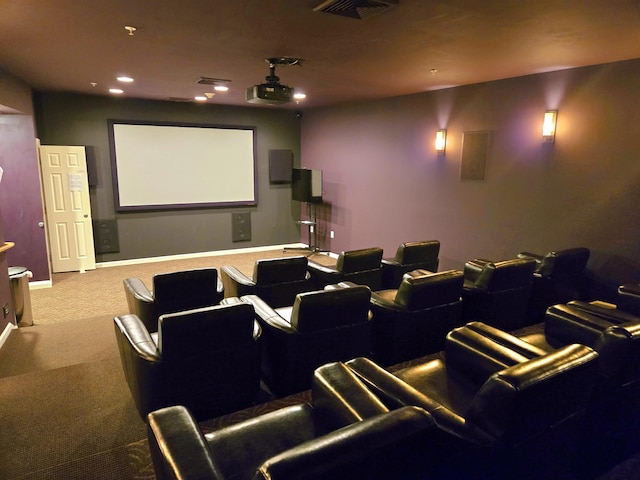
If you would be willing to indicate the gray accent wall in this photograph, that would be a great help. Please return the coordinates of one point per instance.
(70, 119)
(384, 183)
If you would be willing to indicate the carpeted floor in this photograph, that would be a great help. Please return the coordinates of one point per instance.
(65, 408)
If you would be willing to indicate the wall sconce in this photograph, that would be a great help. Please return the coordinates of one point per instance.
(549, 125)
(441, 141)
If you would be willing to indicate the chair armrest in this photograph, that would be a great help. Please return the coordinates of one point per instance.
(141, 302)
(391, 262)
(341, 285)
(319, 268)
(138, 337)
(179, 450)
(537, 257)
(613, 315)
(393, 391)
(341, 397)
(478, 351)
(236, 283)
(566, 324)
(473, 269)
(386, 299)
(357, 449)
(268, 316)
(231, 301)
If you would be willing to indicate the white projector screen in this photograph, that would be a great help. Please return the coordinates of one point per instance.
(158, 166)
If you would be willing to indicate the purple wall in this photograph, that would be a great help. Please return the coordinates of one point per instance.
(384, 183)
(20, 197)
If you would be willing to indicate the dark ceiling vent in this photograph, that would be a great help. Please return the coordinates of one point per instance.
(358, 9)
(179, 99)
(212, 81)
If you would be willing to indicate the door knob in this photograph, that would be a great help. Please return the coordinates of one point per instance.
(41, 224)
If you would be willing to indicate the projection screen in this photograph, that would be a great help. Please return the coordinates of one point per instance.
(162, 166)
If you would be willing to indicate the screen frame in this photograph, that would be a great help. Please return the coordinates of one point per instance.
(252, 184)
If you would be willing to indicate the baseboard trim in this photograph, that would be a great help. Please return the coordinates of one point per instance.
(40, 284)
(184, 256)
(6, 332)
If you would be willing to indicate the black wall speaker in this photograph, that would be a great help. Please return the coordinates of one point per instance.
(280, 166)
(306, 185)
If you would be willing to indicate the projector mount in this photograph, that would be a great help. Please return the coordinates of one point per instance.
(272, 78)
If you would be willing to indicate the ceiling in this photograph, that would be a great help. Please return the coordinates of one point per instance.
(415, 46)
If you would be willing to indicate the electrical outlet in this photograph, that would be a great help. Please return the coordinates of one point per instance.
(332, 234)
(5, 310)
(311, 228)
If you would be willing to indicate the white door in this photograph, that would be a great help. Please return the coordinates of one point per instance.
(67, 209)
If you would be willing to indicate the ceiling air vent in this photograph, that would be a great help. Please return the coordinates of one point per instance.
(179, 99)
(212, 81)
(358, 9)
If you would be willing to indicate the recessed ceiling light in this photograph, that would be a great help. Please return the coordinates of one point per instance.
(125, 79)
(116, 90)
(221, 88)
(299, 96)
(200, 98)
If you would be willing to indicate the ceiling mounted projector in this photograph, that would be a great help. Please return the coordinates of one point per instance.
(272, 92)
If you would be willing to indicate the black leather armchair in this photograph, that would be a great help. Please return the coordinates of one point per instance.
(322, 326)
(414, 320)
(172, 292)
(410, 256)
(497, 293)
(276, 280)
(327, 438)
(358, 266)
(207, 359)
(504, 426)
(559, 277)
(611, 411)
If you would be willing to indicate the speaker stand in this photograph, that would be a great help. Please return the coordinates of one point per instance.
(312, 229)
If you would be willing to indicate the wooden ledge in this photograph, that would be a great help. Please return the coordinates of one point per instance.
(6, 246)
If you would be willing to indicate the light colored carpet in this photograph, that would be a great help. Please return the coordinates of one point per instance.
(100, 292)
(65, 408)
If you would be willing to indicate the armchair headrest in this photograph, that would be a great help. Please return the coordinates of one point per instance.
(523, 400)
(205, 330)
(185, 290)
(505, 275)
(417, 252)
(421, 289)
(359, 260)
(332, 308)
(569, 262)
(280, 270)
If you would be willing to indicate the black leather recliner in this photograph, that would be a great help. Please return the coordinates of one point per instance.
(358, 266)
(611, 411)
(276, 280)
(414, 320)
(410, 256)
(172, 292)
(207, 359)
(497, 293)
(559, 277)
(322, 326)
(500, 422)
(328, 438)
